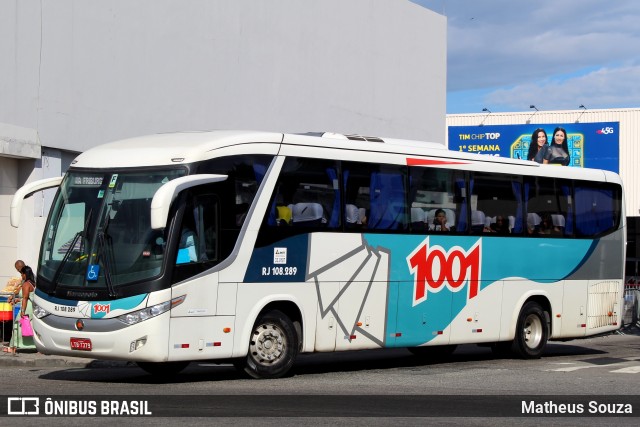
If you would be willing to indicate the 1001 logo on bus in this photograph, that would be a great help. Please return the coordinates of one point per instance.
(433, 268)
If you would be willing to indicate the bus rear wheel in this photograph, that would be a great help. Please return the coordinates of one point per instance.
(532, 332)
(273, 347)
(163, 369)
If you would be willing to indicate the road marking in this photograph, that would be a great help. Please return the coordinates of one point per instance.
(628, 370)
(571, 368)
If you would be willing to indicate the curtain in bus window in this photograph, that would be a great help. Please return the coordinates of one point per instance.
(568, 228)
(604, 209)
(335, 210)
(271, 220)
(517, 192)
(260, 171)
(594, 213)
(387, 201)
(461, 224)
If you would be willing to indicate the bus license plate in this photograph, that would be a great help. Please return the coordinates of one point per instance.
(83, 344)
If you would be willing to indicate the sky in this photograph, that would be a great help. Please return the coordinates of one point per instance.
(505, 55)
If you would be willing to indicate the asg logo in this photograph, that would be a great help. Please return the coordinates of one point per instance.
(434, 268)
(101, 308)
(23, 406)
(605, 130)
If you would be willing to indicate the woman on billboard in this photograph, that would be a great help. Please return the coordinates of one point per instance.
(538, 147)
(558, 152)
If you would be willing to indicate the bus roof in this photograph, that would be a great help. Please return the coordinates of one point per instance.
(188, 147)
(167, 148)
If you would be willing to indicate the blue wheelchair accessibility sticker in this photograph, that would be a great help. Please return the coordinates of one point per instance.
(92, 272)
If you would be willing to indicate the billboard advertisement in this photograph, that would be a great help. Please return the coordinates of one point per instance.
(590, 145)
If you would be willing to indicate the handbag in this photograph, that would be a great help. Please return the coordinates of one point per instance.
(25, 326)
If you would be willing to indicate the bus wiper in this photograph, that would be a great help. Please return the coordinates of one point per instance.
(82, 233)
(106, 252)
(105, 245)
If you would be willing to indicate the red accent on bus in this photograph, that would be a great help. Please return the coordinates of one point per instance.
(430, 162)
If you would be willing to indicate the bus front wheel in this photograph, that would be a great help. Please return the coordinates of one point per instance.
(273, 347)
(532, 332)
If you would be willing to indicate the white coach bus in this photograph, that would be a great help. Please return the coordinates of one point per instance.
(254, 247)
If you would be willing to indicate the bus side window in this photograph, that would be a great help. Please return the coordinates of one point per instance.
(549, 208)
(388, 210)
(597, 209)
(432, 190)
(199, 231)
(307, 195)
(496, 197)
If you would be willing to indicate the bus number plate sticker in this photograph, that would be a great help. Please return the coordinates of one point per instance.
(83, 344)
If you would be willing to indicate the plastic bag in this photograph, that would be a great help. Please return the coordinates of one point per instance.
(25, 326)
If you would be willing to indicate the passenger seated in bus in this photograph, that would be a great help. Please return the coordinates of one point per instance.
(500, 225)
(439, 221)
(547, 227)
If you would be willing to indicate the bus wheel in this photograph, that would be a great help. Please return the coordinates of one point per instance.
(434, 352)
(532, 332)
(273, 347)
(163, 369)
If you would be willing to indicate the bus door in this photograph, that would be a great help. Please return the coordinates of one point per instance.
(351, 283)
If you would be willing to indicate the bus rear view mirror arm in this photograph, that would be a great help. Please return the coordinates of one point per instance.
(165, 195)
(26, 191)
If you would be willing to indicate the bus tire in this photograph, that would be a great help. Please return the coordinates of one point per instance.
(434, 352)
(532, 332)
(163, 369)
(273, 347)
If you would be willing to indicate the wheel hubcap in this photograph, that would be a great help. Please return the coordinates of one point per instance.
(532, 331)
(268, 344)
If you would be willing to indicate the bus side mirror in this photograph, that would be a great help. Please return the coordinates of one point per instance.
(165, 195)
(26, 191)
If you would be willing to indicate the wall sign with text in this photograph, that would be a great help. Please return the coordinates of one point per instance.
(591, 145)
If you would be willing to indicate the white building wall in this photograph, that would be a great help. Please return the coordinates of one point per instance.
(9, 239)
(629, 119)
(93, 71)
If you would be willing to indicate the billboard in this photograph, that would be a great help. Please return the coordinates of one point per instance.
(591, 145)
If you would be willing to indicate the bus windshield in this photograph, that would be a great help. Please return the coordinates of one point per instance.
(99, 234)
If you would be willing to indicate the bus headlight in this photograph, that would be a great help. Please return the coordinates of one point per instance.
(39, 312)
(149, 312)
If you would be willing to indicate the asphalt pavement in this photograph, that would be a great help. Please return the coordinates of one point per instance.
(31, 358)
